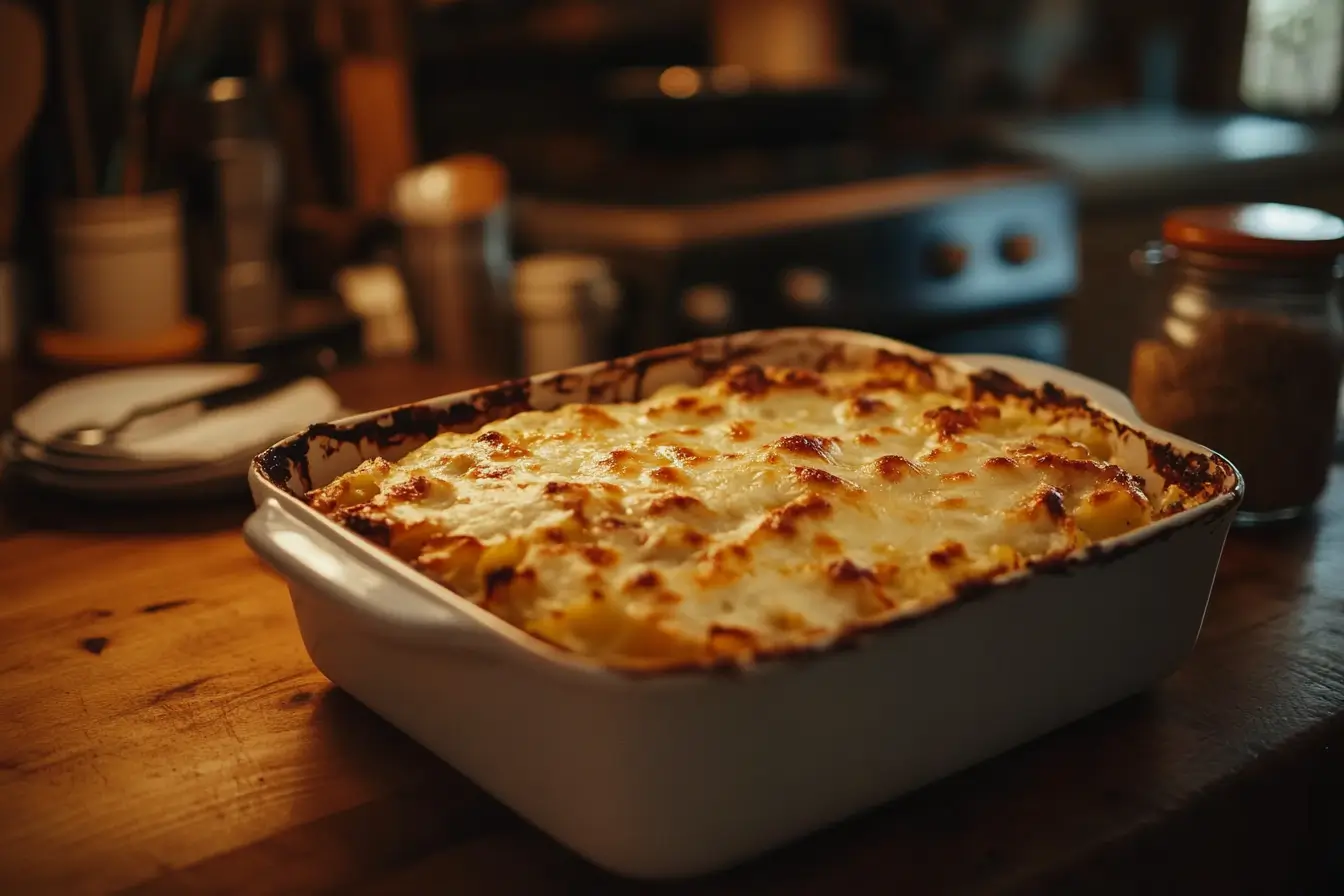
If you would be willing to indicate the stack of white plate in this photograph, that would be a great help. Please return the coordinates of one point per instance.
(207, 455)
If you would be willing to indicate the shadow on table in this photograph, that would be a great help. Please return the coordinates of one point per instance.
(1075, 811)
(416, 804)
(430, 829)
(25, 506)
(987, 826)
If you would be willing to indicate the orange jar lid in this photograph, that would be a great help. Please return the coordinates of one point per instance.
(1261, 230)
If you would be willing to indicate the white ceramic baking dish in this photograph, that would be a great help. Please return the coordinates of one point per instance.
(684, 773)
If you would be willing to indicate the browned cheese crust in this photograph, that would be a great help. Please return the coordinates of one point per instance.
(768, 511)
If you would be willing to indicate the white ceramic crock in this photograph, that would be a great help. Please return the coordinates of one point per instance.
(686, 773)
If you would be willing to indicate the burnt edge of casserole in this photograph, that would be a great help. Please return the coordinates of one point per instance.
(1194, 473)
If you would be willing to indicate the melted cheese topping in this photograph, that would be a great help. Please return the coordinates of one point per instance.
(766, 510)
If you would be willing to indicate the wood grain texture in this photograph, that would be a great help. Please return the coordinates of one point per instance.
(162, 731)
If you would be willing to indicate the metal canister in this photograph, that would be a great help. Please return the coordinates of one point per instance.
(455, 261)
(236, 202)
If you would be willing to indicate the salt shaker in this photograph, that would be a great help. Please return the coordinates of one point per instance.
(1243, 351)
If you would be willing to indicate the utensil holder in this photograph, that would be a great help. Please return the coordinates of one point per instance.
(120, 266)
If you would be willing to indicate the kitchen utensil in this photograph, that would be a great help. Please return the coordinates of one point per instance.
(234, 201)
(207, 452)
(191, 41)
(162, 416)
(75, 94)
(287, 112)
(146, 59)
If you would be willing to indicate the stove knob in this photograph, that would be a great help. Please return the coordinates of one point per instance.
(708, 305)
(947, 260)
(807, 287)
(1017, 248)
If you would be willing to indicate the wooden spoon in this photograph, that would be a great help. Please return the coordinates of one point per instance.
(147, 57)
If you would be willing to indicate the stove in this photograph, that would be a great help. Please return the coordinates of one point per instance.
(763, 178)
(958, 246)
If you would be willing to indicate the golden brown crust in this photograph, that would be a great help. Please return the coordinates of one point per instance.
(769, 511)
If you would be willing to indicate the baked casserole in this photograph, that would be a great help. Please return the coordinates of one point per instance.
(765, 511)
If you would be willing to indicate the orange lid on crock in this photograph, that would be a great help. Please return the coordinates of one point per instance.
(1260, 229)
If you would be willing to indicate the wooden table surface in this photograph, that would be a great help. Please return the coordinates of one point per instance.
(162, 730)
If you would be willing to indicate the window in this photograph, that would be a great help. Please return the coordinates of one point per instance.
(1292, 58)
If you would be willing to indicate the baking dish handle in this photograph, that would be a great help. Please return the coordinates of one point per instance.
(394, 608)
(1033, 373)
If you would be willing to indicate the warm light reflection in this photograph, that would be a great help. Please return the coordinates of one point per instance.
(730, 79)
(1288, 222)
(457, 187)
(1254, 137)
(1181, 332)
(223, 90)
(679, 82)
(1190, 306)
(435, 183)
(325, 564)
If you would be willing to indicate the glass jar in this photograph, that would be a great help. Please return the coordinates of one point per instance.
(1242, 351)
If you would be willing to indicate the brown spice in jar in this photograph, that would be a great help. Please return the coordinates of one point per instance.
(1257, 388)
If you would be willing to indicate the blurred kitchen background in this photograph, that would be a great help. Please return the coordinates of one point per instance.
(518, 185)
